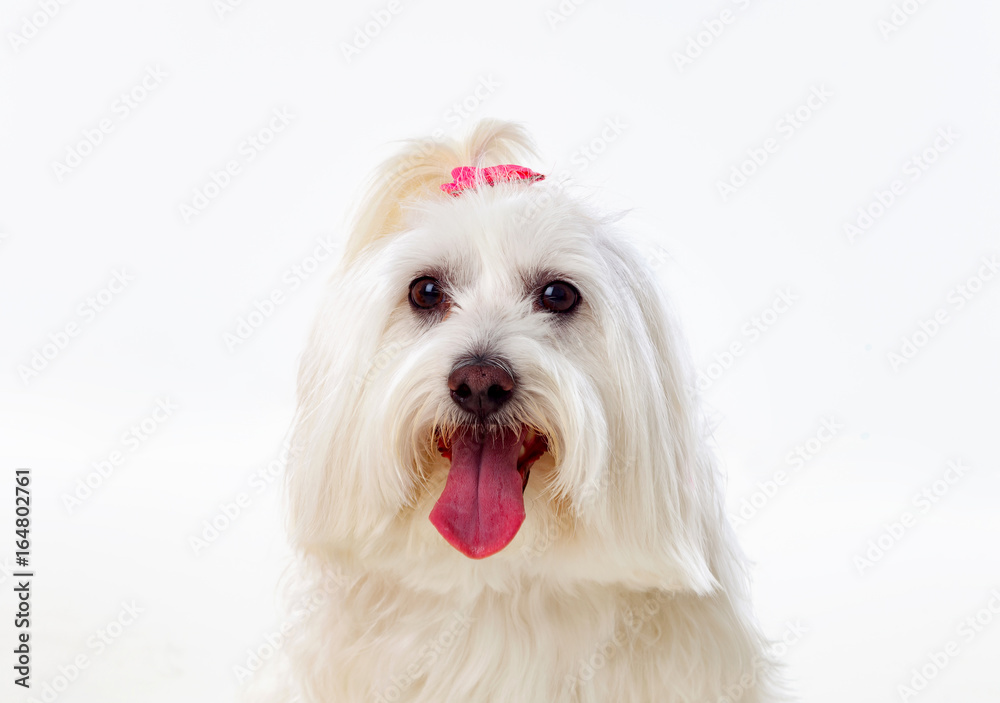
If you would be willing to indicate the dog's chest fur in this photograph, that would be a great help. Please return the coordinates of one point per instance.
(384, 643)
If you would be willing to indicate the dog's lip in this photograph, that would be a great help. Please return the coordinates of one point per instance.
(535, 444)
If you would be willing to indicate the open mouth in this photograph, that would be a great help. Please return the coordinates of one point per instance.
(482, 505)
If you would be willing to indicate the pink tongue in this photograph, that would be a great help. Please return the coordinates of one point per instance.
(482, 506)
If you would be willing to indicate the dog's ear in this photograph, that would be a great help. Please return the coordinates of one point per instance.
(421, 167)
(661, 509)
(689, 483)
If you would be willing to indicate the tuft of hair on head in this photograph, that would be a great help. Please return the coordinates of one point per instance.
(417, 171)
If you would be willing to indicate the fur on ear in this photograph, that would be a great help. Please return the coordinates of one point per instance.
(662, 490)
(419, 169)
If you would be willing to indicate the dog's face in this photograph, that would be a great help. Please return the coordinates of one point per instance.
(499, 324)
(497, 378)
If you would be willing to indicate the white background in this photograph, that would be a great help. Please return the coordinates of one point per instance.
(724, 260)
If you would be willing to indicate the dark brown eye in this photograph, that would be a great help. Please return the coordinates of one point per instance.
(558, 296)
(426, 293)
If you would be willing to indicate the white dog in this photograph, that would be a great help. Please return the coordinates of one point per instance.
(499, 489)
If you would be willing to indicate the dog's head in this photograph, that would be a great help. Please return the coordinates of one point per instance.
(493, 389)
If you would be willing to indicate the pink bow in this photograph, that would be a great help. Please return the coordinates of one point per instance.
(470, 177)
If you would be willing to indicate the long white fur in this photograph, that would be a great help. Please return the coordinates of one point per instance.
(625, 582)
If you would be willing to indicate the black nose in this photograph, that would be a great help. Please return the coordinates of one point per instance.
(480, 389)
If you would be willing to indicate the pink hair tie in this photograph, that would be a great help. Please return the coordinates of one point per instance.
(467, 177)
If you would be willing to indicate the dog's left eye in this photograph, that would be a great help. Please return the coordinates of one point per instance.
(426, 293)
(558, 296)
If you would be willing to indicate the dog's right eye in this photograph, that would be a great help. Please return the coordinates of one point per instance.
(426, 293)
